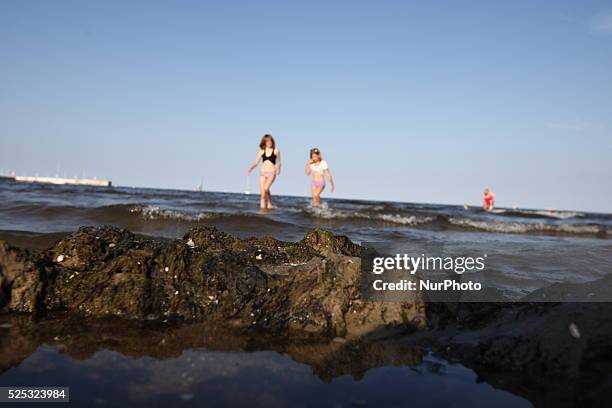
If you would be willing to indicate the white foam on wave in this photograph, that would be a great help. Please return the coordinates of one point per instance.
(562, 215)
(521, 228)
(151, 212)
(325, 212)
(404, 220)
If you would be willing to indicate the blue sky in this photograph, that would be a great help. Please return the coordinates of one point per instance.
(409, 101)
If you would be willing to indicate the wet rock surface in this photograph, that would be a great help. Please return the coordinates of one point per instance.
(554, 354)
(209, 276)
(261, 293)
(22, 279)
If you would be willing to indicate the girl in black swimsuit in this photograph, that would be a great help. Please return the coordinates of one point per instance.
(270, 168)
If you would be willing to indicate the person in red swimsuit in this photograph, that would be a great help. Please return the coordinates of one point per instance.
(488, 200)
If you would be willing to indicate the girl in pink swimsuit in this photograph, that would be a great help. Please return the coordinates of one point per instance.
(318, 169)
(270, 168)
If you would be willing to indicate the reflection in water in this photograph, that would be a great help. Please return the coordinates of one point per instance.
(113, 362)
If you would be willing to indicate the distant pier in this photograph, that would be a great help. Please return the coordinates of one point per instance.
(60, 180)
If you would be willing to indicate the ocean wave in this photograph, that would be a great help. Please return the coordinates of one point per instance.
(553, 214)
(562, 215)
(234, 219)
(524, 228)
(404, 220)
(39, 213)
(151, 212)
(325, 212)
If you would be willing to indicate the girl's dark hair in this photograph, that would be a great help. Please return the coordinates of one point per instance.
(264, 139)
(314, 150)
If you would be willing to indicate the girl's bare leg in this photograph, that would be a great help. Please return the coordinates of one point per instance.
(262, 192)
(268, 196)
(316, 195)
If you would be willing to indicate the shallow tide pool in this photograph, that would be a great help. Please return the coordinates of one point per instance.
(203, 377)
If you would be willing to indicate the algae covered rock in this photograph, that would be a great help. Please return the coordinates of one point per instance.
(209, 276)
(326, 243)
(21, 280)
